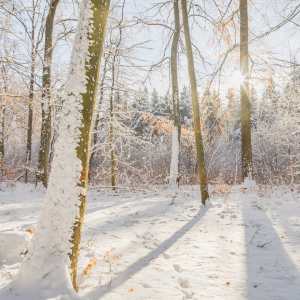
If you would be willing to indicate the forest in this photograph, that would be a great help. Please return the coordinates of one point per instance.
(149, 149)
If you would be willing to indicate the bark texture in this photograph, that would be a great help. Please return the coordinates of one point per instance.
(247, 167)
(94, 138)
(96, 36)
(30, 109)
(42, 172)
(174, 178)
(111, 128)
(2, 120)
(197, 126)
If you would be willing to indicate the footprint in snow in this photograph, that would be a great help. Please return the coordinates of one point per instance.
(166, 256)
(184, 283)
(187, 295)
(177, 268)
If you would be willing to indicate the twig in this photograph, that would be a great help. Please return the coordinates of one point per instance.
(87, 241)
(256, 232)
(109, 285)
(264, 244)
(7, 273)
(20, 177)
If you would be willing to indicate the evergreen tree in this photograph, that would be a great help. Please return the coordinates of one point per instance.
(234, 110)
(269, 106)
(254, 101)
(167, 104)
(141, 103)
(157, 104)
(186, 110)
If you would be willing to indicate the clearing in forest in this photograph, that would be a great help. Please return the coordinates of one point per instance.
(165, 245)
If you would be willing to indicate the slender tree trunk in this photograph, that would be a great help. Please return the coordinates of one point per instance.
(175, 160)
(247, 167)
(112, 94)
(55, 244)
(288, 135)
(197, 126)
(2, 121)
(30, 109)
(42, 171)
(97, 115)
(2, 130)
(111, 128)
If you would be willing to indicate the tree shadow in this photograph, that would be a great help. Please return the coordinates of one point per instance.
(270, 270)
(126, 220)
(145, 260)
(115, 201)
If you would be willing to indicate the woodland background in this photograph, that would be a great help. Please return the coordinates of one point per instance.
(135, 74)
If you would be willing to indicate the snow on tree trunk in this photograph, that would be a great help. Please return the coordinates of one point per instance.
(174, 159)
(53, 252)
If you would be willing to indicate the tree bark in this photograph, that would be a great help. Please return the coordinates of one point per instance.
(55, 244)
(97, 115)
(111, 128)
(42, 168)
(96, 35)
(247, 167)
(2, 121)
(197, 126)
(175, 160)
(30, 110)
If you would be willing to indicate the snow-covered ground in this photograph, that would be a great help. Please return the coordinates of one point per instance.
(141, 246)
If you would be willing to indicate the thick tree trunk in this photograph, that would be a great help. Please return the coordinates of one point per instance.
(197, 126)
(247, 167)
(175, 160)
(42, 171)
(53, 251)
(96, 35)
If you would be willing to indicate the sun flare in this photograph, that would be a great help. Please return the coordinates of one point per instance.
(236, 79)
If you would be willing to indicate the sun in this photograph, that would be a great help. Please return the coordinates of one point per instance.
(236, 79)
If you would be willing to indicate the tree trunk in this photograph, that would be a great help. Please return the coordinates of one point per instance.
(55, 244)
(2, 121)
(97, 115)
(111, 128)
(288, 135)
(92, 66)
(30, 110)
(197, 126)
(247, 167)
(175, 160)
(42, 171)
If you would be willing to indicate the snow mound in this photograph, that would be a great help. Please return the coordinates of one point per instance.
(12, 244)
